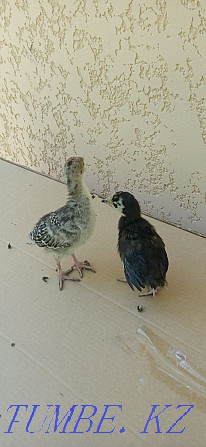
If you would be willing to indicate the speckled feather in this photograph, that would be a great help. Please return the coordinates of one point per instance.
(67, 228)
(62, 228)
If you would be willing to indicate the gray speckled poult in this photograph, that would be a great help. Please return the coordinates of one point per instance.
(62, 231)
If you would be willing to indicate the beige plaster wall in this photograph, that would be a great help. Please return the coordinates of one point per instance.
(122, 82)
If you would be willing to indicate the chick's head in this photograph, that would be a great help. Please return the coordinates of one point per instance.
(124, 202)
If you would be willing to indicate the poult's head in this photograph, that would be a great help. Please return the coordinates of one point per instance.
(74, 167)
(125, 203)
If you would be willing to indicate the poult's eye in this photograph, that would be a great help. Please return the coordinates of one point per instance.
(115, 204)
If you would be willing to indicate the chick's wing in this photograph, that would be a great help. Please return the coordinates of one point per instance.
(131, 250)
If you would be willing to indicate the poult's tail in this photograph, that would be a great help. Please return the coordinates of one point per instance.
(31, 240)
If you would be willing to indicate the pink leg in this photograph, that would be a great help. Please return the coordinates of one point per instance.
(63, 275)
(150, 292)
(79, 266)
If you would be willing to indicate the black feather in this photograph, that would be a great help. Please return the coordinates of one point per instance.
(141, 249)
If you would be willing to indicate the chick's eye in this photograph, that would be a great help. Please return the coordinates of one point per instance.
(115, 204)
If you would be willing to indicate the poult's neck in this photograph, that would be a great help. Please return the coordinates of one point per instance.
(76, 187)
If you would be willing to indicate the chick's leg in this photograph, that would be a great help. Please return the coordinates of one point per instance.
(150, 292)
(79, 266)
(63, 275)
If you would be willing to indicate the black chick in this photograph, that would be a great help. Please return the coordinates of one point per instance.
(141, 249)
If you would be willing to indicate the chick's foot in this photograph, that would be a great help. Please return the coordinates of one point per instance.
(79, 266)
(150, 292)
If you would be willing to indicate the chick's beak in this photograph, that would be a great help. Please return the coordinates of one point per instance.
(108, 200)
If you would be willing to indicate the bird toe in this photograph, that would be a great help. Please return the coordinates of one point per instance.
(63, 278)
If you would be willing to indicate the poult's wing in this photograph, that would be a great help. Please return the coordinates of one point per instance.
(55, 230)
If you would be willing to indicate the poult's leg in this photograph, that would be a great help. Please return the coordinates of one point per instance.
(63, 275)
(150, 292)
(81, 265)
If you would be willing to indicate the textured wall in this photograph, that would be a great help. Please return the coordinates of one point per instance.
(122, 82)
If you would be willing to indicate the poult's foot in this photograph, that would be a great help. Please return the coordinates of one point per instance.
(79, 266)
(63, 276)
(150, 292)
